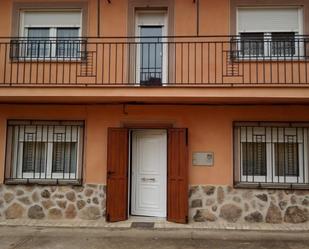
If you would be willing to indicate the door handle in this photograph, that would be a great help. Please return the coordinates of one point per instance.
(148, 179)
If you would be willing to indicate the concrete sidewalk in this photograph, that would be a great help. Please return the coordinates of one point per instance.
(114, 238)
(158, 224)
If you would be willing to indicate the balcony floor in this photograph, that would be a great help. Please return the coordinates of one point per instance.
(161, 95)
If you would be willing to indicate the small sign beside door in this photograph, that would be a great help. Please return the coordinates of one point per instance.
(203, 159)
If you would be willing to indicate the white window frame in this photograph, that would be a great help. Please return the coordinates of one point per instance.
(17, 167)
(270, 176)
(52, 31)
(268, 35)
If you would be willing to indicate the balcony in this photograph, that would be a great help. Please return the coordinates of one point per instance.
(227, 61)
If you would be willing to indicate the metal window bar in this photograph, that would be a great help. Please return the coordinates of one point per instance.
(40, 151)
(44, 49)
(271, 154)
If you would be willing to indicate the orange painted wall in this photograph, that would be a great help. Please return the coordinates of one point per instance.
(210, 129)
(111, 63)
(214, 20)
(5, 14)
(214, 16)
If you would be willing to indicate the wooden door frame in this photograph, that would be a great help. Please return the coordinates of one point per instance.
(136, 126)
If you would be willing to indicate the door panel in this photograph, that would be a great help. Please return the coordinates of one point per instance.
(177, 196)
(117, 174)
(149, 173)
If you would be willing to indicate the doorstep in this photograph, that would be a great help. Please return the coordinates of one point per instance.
(158, 224)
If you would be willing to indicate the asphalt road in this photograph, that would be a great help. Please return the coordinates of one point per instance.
(58, 238)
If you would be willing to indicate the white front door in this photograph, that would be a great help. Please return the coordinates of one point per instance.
(149, 173)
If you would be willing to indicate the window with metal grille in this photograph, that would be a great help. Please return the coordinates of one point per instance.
(42, 44)
(270, 154)
(286, 159)
(49, 35)
(254, 161)
(44, 151)
(283, 44)
(64, 157)
(268, 32)
(34, 157)
(252, 44)
(37, 45)
(272, 45)
(68, 44)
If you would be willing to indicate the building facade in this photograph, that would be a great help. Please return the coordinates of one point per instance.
(192, 111)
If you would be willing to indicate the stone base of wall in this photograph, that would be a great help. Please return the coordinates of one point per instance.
(207, 204)
(226, 204)
(52, 202)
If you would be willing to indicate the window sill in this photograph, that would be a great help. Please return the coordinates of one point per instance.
(277, 186)
(47, 60)
(49, 182)
(269, 60)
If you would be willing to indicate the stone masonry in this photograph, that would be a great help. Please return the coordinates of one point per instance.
(226, 204)
(52, 202)
(209, 204)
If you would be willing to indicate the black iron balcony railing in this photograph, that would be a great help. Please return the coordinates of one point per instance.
(157, 61)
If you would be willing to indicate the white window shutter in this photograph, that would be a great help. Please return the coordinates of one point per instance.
(269, 20)
(52, 18)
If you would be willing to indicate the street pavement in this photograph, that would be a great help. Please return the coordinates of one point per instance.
(114, 238)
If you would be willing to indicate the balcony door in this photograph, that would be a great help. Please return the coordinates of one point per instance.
(151, 57)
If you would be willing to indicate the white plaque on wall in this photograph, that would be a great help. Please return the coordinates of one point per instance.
(203, 159)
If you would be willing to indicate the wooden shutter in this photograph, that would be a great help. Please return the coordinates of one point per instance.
(177, 189)
(117, 175)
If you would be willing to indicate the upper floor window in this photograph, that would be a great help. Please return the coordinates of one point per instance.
(50, 34)
(271, 154)
(270, 32)
(44, 151)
